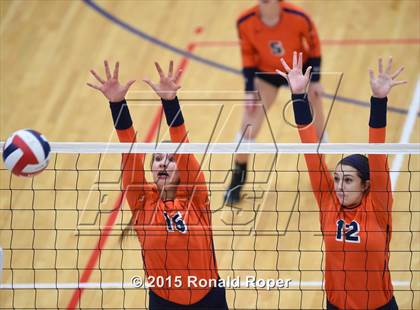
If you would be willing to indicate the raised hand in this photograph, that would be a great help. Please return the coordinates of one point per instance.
(168, 85)
(297, 81)
(382, 84)
(111, 87)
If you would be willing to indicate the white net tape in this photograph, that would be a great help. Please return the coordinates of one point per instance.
(231, 148)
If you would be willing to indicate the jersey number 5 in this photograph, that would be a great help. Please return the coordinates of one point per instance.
(351, 231)
(276, 48)
(176, 220)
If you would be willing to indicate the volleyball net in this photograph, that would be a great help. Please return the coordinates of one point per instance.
(61, 230)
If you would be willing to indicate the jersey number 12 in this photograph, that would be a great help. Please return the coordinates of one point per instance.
(351, 231)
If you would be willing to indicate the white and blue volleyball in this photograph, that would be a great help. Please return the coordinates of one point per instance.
(26, 152)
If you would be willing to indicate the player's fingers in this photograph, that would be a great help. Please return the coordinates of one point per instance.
(398, 83)
(294, 64)
(178, 75)
(285, 66)
(171, 69)
(380, 67)
(93, 86)
(397, 73)
(148, 82)
(159, 70)
(129, 83)
(116, 69)
(388, 67)
(97, 76)
(308, 72)
(281, 73)
(300, 61)
(107, 71)
(371, 74)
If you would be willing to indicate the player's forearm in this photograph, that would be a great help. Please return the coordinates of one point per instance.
(122, 121)
(317, 168)
(301, 109)
(132, 164)
(178, 133)
(378, 108)
(377, 125)
(379, 172)
(175, 120)
(189, 168)
(173, 113)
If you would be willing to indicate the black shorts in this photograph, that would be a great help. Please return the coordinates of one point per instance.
(273, 78)
(391, 305)
(215, 299)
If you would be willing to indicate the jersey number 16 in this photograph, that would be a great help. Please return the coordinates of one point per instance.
(177, 221)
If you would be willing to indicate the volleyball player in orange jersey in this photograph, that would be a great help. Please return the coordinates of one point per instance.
(171, 215)
(355, 204)
(267, 32)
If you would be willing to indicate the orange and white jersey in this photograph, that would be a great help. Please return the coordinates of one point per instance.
(262, 46)
(175, 236)
(356, 241)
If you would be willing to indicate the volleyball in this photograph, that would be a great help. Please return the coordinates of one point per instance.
(26, 152)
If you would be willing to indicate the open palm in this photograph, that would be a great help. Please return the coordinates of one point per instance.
(111, 87)
(382, 84)
(168, 85)
(297, 80)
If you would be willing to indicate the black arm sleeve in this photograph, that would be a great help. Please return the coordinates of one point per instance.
(301, 109)
(121, 115)
(173, 112)
(378, 107)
